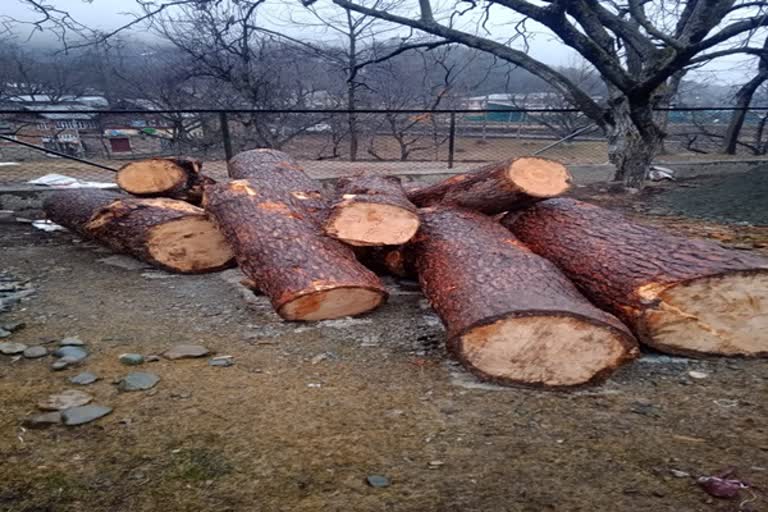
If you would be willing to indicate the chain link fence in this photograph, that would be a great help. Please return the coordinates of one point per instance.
(335, 143)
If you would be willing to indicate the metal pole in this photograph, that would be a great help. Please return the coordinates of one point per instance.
(564, 139)
(452, 140)
(225, 135)
(57, 153)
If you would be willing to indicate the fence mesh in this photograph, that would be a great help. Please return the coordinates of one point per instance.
(339, 143)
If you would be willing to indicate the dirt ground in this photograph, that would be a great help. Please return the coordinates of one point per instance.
(286, 430)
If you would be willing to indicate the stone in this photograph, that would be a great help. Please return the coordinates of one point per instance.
(35, 352)
(138, 381)
(131, 359)
(84, 378)
(10, 348)
(84, 414)
(184, 351)
(73, 354)
(124, 262)
(378, 481)
(4, 333)
(697, 375)
(42, 420)
(61, 364)
(679, 474)
(65, 400)
(14, 326)
(71, 341)
(152, 358)
(221, 361)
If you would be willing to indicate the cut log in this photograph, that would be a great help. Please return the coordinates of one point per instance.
(175, 178)
(499, 187)
(396, 261)
(280, 170)
(679, 295)
(282, 250)
(371, 211)
(511, 316)
(172, 235)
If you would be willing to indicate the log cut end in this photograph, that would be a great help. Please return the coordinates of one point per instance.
(148, 177)
(190, 244)
(331, 304)
(725, 314)
(372, 224)
(544, 350)
(539, 177)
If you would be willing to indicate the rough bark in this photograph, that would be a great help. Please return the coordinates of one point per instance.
(371, 211)
(679, 295)
(281, 249)
(512, 316)
(634, 141)
(499, 187)
(280, 170)
(175, 178)
(172, 235)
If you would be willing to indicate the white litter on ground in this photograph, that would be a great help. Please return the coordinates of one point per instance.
(46, 225)
(63, 181)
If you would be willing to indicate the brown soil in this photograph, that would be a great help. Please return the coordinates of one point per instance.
(256, 436)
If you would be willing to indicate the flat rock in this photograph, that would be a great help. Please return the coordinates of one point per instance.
(65, 400)
(4, 333)
(71, 341)
(42, 420)
(124, 262)
(378, 481)
(9, 348)
(221, 361)
(138, 381)
(60, 364)
(84, 414)
(35, 352)
(73, 354)
(84, 378)
(185, 351)
(131, 359)
(13, 326)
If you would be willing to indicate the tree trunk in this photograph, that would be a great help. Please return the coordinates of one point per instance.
(679, 295)
(169, 234)
(176, 178)
(743, 100)
(371, 211)
(630, 148)
(511, 316)
(280, 170)
(498, 187)
(282, 251)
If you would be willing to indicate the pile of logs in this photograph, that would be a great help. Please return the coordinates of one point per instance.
(533, 289)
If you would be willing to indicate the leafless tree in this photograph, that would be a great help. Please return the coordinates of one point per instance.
(636, 46)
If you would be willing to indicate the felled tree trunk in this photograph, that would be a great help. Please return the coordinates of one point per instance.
(396, 261)
(175, 178)
(371, 211)
(280, 248)
(282, 172)
(511, 316)
(172, 235)
(499, 187)
(679, 295)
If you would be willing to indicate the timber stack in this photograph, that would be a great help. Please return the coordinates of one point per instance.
(533, 289)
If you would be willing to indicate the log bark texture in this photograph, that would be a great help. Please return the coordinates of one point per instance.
(282, 250)
(282, 172)
(498, 187)
(511, 316)
(371, 211)
(679, 295)
(169, 234)
(175, 178)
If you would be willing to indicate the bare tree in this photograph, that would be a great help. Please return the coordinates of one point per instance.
(636, 46)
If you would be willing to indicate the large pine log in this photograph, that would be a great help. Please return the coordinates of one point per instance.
(371, 211)
(499, 187)
(281, 171)
(512, 316)
(169, 234)
(176, 178)
(679, 295)
(283, 252)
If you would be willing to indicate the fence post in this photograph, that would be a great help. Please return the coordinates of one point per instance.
(452, 140)
(224, 122)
